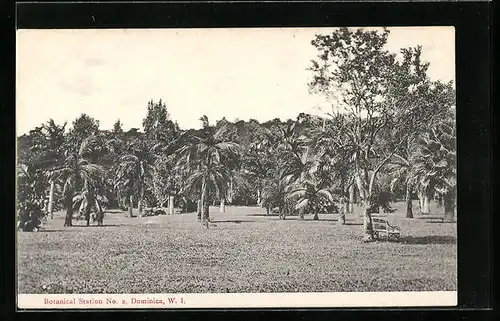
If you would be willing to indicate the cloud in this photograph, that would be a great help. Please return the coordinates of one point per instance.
(82, 86)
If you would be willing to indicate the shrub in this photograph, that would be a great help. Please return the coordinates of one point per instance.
(30, 215)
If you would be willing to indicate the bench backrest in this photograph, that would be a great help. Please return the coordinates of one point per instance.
(379, 224)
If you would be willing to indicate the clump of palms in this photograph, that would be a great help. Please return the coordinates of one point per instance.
(134, 167)
(435, 164)
(31, 189)
(309, 196)
(274, 196)
(209, 157)
(79, 174)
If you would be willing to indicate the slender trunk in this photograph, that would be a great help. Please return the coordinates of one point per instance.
(267, 209)
(426, 202)
(171, 204)
(69, 213)
(206, 208)
(409, 208)
(316, 217)
(230, 194)
(199, 210)
(204, 201)
(351, 198)
(119, 199)
(421, 202)
(449, 207)
(51, 200)
(259, 201)
(367, 221)
(100, 212)
(140, 202)
(222, 205)
(87, 213)
(342, 211)
(81, 208)
(131, 206)
(139, 207)
(440, 200)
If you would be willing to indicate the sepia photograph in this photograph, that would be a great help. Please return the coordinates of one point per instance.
(236, 167)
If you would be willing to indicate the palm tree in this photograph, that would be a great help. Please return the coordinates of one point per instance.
(78, 173)
(298, 166)
(131, 176)
(308, 195)
(133, 169)
(435, 164)
(274, 195)
(209, 179)
(30, 190)
(401, 169)
(209, 157)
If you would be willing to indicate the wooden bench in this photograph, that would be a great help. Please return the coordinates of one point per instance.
(382, 227)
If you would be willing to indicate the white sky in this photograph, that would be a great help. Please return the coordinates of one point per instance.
(236, 73)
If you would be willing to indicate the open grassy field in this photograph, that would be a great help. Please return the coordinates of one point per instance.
(246, 251)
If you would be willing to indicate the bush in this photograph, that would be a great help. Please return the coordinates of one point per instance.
(29, 216)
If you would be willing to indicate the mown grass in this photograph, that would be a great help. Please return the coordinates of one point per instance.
(246, 251)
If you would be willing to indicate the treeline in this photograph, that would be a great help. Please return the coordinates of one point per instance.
(391, 132)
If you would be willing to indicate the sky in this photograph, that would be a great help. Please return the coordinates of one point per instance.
(258, 73)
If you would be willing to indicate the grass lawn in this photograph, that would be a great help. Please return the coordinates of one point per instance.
(246, 251)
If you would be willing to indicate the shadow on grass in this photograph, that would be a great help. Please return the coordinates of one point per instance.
(70, 228)
(233, 221)
(431, 239)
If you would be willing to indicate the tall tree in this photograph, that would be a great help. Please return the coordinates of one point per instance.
(83, 127)
(78, 173)
(134, 168)
(420, 104)
(436, 164)
(160, 132)
(210, 158)
(353, 66)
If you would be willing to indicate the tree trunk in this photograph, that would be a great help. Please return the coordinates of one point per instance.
(81, 208)
(259, 201)
(171, 204)
(206, 206)
(139, 205)
(205, 199)
(87, 213)
(421, 202)
(409, 208)
(342, 211)
(449, 208)
(267, 209)
(222, 205)
(51, 200)
(69, 213)
(426, 202)
(351, 198)
(131, 206)
(141, 200)
(316, 217)
(367, 221)
(440, 200)
(199, 210)
(230, 194)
